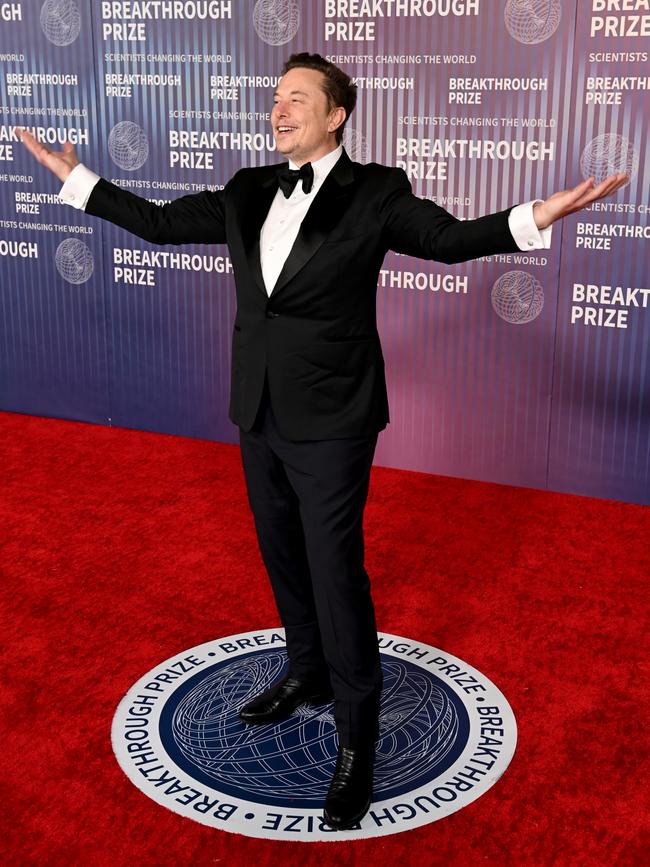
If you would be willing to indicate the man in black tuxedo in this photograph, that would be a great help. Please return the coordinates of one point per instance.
(308, 391)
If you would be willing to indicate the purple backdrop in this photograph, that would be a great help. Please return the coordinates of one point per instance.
(527, 369)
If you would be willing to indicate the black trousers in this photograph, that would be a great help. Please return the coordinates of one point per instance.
(307, 500)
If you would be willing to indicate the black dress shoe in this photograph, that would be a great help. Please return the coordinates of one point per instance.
(350, 791)
(280, 700)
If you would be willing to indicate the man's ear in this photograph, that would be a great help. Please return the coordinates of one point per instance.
(337, 117)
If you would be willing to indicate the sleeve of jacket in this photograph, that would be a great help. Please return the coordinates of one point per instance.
(198, 218)
(419, 227)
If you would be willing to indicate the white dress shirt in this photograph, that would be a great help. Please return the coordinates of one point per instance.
(283, 220)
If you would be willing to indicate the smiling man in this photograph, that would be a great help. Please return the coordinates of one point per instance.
(305, 116)
(307, 239)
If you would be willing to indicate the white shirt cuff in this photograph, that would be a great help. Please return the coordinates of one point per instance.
(524, 230)
(78, 186)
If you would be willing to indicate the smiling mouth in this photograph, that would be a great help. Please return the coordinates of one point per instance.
(285, 130)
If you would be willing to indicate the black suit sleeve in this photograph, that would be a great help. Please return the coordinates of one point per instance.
(193, 219)
(419, 227)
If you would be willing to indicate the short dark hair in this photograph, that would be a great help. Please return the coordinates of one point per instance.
(337, 85)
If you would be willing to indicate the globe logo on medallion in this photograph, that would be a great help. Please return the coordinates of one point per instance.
(60, 21)
(276, 21)
(74, 261)
(128, 145)
(608, 154)
(517, 297)
(446, 735)
(532, 21)
(201, 731)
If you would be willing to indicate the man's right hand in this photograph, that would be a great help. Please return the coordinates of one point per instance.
(59, 162)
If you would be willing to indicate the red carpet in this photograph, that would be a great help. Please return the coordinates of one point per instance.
(120, 548)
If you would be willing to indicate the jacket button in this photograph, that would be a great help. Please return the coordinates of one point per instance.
(271, 315)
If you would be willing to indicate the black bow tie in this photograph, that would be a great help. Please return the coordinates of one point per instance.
(288, 178)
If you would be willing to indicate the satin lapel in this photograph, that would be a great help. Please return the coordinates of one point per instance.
(255, 211)
(323, 215)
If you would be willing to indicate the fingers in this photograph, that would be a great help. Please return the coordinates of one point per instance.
(610, 183)
(587, 193)
(574, 197)
(584, 185)
(607, 186)
(31, 144)
(604, 188)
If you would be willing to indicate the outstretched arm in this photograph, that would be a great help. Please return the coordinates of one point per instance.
(192, 219)
(420, 227)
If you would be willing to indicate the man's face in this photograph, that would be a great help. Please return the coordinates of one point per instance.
(302, 124)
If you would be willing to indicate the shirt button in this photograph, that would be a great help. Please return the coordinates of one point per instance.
(270, 248)
(530, 243)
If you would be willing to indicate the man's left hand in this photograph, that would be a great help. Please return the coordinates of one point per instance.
(567, 201)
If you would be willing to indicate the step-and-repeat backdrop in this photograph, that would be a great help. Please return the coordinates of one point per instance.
(527, 369)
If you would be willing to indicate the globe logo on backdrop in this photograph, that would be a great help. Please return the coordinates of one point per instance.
(532, 21)
(446, 735)
(128, 145)
(74, 261)
(608, 154)
(276, 21)
(356, 146)
(60, 21)
(517, 297)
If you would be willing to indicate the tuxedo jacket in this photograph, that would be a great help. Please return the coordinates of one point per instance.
(315, 337)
